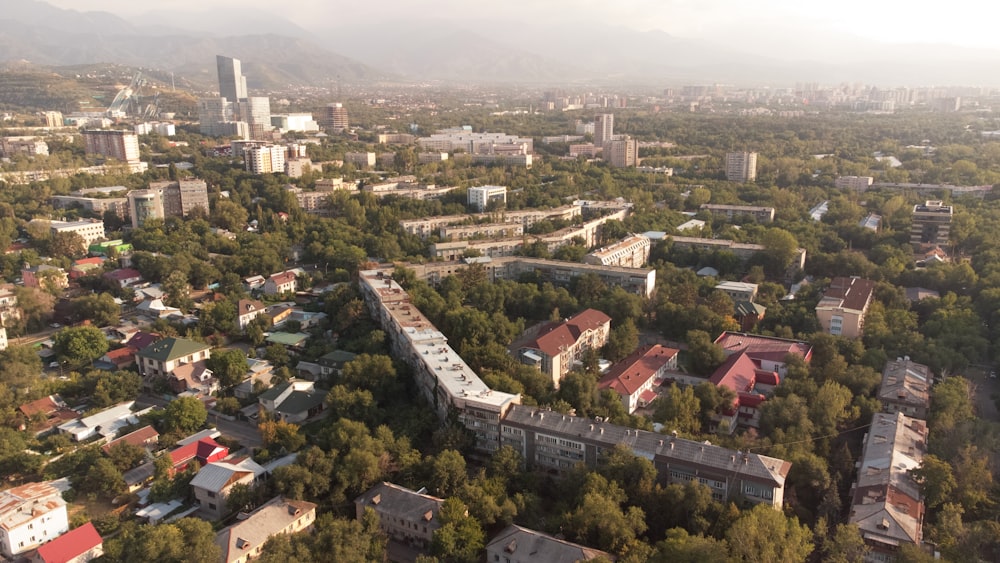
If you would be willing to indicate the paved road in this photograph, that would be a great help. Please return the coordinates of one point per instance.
(243, 432)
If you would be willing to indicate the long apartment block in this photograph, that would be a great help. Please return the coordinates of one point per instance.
(553, 441)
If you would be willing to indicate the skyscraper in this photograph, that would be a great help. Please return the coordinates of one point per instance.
(741, 166)
(622, 152)
(335, 118)
(604, 128)
(232, 83)
(256, 111)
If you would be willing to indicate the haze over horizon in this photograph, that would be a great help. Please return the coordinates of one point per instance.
(731, 23)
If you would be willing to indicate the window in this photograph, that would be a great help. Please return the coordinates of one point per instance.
(211, 506)
(211, 494)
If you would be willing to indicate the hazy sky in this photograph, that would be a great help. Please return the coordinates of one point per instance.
(959, 22)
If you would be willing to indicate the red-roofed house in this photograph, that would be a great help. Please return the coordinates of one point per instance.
(141, 339)
(204, 451)
(750, 383)
(121, 358)
(280, 283)
(45, 414)
(634, 377)
(842, 310)
(75, 546)
(124, 277)
(767, 351)
(143, 437)
(560, 344)
(85, 266)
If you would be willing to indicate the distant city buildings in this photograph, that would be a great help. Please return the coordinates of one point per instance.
(856, 183)
(621, 152)
(22, 145)
(741, 166)
(931, 224)
(760, 214)
(301, 122)
(232, 83)
(604, 128)
(335, 118)
(119, 145)
(461, 139)
(267, 159)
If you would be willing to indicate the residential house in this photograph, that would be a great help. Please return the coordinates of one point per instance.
(634, 377)
(254, 283)
(522, 545)
(42, 416)
(280, 283)
(162, 357)
(204, 451)
(886, 502)
(124, 277)
(139, 477)
(194, 377)
(292, 341)
(747, 314)
(145, 437)
(105, 423)
(738, 291)
(213, 482)
(245, 539)
(278, 313)
(156, 309)
(258, 376)
(406, 516)
(8, 304)
(560, 344)
(248, 310)
(42, 275)
(30, 515)
(750, 383)
(85, 266)
(293, 401)
(768, 352)
(842, 309)
(78, 545)
(119, 358)
(326, 365)
(906, 388)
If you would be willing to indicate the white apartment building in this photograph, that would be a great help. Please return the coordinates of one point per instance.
(761, 214)
(99, 205)
(480, 197)
(90, 230)
(741, 166)
(30, 515)
(450, 140)
(604, 128)
(361, 158)
(631, 252)
(268, 159)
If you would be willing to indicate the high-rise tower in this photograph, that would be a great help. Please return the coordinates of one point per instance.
(604, 128)
(232, 83)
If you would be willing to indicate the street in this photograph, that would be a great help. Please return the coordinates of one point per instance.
(243, 432)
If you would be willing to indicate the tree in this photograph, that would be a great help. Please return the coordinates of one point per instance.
(448, 473)
(781, 251)
(678, 409)
(277, 355)
(704, 354)
(126, 456)
(80, 345)
(99, 308)
(229, 365)
(184, 415)
(177, 291)
(681, 547)
(189, 540)
(460, 537)
(281, 436)
(845, 545)
(622, 341)
(936, 480)
(103, 479)
(765, 534)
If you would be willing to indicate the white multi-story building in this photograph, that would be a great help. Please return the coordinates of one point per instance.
(285, 122)
(450, 140)
(268, 159)
(631, 252)
(741, 166)
(90, 230)
(480, 197)
(119, 145)
(30, 515)
(761, 214)
(604, 128)
(362, 159)
(98, 205)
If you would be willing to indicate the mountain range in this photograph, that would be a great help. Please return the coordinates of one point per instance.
(278, 53)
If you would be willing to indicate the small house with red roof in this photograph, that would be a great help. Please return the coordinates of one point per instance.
(145, 437)
(42, 416)
(768, 352)
(558, 345)
(85, 266)
(204, 451)
(634, 377)
(124, 277)
(119, 358)
(78, 545)
(280, 283)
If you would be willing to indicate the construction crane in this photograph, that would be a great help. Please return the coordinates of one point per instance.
(128, 102)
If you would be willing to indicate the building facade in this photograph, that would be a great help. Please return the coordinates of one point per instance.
(842, 309)
(741, 166)
(232, 83)
(561, 344)
(119, 145)
(760, 214)
(335, 118)
(621, 153)
(630, 252)
(160, 358)
(931, 224)
(634, 377)
(604, 128)
(145, 205)
(30, 515)
(406, 516)
(481, 197)
(268, 159)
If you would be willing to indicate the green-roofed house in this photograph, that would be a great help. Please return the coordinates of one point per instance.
(295, 401)
(295, 341)
(748, 314)
(163, 356)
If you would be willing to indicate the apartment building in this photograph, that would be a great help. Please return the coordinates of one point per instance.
(145, 205)
(119, 145)
(905, 388)
(25, 145)
(741, 166)
(396, 138)
(630, 252)
(621, 153)
(760, 214)
(604, 129)
(335, 118)
(491, 230)
(634, 377)
(886, 503)
(268, 159)
(429, 157)
(515, 544)
(30, 515)
(842, 309)
(90, 230)
(313, 202)
(179, 197)
(557, 442)
(361, 159)
(641, 281)
(406, 516)
(428, 226)
(245, 539)
(931, 224)
(481, 197)
(856, 183)
(97, 205)
(442, 376)
(450, 140)
(561, 344)
(520, 160)
(743, 251)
